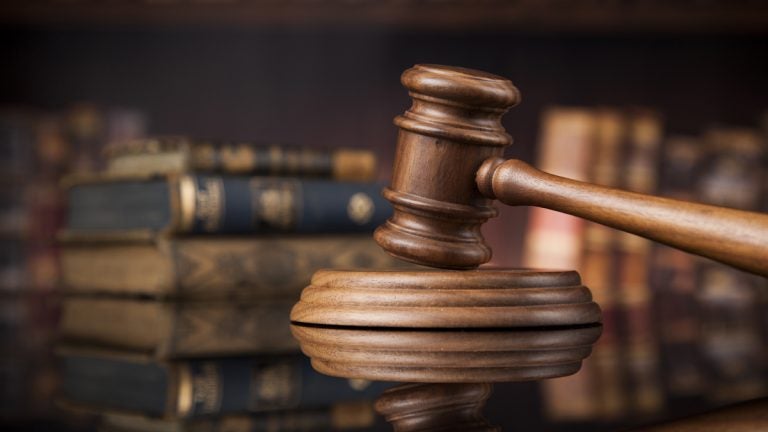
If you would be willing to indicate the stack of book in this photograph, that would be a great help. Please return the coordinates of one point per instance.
(26, 312)
(37, 147)
(714, 338)
(614, 147)
(679, 332)
(181, 262)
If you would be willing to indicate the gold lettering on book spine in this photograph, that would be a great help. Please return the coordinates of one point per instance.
(274, 202)
(204, 156)
(353, 165)
(275, 159)
(238, 158)
(207, 389)
(275, 385)
(210, 204)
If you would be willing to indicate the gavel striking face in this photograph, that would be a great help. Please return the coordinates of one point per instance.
(448, 169)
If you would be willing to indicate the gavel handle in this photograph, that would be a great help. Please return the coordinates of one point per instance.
(734, 237)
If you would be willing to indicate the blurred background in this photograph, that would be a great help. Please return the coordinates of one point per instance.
(667, 98)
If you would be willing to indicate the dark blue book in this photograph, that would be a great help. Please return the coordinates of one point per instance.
(196, 204)
(194, 388)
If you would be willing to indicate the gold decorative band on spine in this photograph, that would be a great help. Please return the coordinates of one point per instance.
(187, 202)
(353, 165)
(185, 396)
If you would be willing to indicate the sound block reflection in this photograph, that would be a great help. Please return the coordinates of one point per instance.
(446, 326)
(436, 407)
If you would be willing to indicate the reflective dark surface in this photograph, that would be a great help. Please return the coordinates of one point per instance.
(690, 337)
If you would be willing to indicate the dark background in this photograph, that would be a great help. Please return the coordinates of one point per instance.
(337, 84)
(340, 86)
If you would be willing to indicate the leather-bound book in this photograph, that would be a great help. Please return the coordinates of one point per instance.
(598, 269)
(141, 263)
(731, 175)
(178, 154)
(555, 240)
(674, 284)
(188, 389)
(212, 204)
(639, 173)
(169, 329)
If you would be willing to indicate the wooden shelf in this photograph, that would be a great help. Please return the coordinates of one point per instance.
(741, 16)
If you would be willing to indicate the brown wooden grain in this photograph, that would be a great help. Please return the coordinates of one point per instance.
(734, 237)
(484, 325)
(438, 211)
(436, 407)
(448, 168)
(488, 298)
(438, 356)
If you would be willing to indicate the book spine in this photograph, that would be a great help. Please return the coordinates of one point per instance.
(640, 174)
(211, 268)
(196, 204)
(86, 125)
(729, 300)
(178, 154)
(674, 285)
(731, 339)
(207, 328)
(107, 383)
(12, 265)
(598, 270)
(220, 204)
(253, 159)
(33, 155)
(268, 267)
(178, 329)
(554, 240)
(260, 159)
(31, 205)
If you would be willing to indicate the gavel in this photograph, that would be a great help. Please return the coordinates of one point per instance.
(448, 169)
(466, 326)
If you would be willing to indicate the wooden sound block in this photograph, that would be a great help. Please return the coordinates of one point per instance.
(446, 326)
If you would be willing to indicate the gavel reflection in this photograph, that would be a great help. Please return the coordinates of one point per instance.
(488, 325)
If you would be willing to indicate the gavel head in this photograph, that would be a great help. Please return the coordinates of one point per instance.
(453, 126)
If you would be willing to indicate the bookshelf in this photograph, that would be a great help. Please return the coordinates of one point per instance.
(326, 73)
(340, 86)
